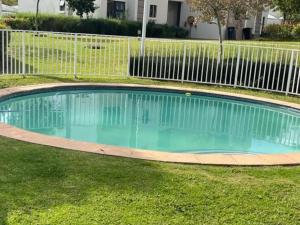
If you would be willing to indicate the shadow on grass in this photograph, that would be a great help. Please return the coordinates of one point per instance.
(34, 178)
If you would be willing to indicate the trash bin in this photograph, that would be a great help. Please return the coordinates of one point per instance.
(231, 33)
(247, 33)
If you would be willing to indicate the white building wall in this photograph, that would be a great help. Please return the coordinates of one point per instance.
(250, 23)
(162, 10)
(101, 9)
(46, 6)
(131, 9)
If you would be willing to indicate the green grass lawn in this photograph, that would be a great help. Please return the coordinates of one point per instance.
(44, 185)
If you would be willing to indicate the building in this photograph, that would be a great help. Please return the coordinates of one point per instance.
(275, 17)
(7, 10)
(46, 6)
(171, 12)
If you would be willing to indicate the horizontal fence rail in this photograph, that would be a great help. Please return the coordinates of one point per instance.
(253, 65)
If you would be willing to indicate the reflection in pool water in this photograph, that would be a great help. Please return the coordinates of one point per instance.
(169, 122)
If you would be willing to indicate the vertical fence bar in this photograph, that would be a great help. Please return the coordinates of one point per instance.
(290, 73)
(23, 54)
(123, 62)
(198, 63)
(213, 64)
(152, 60)
(7, 36)
(75, 56)
(237, 66)
(2, 51)
(295, 73)
(95, 55)
(128, 57)
(14, 55)
(298, 82)
(203, 60)
(285, 68)
(178, 63)
(183, 62)
(114, 64)
(174, 61)
(52, 53)
(242, 68)
(90, 49)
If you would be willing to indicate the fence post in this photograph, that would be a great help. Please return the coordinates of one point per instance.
(2, 51)
(23, 54)
(75, 57)
(129, 54)
(183, 62)
(237, 67)
(290, 73)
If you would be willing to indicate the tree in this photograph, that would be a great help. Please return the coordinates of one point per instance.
(289, 8)
(82, 6)
(209, 10)
(221, 10)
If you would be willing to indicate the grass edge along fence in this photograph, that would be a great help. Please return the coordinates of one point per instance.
(65, 54)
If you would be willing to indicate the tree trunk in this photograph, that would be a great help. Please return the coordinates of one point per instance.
(284, 18)
(36, 15)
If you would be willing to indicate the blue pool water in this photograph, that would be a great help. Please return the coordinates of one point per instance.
(169, 122)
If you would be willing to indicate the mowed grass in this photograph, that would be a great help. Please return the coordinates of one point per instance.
(44, 185)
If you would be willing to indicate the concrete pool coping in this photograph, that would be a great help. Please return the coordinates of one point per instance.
(206, 159)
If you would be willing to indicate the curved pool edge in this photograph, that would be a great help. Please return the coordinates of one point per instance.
(205, 159)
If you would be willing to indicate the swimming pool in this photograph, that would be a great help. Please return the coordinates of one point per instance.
(164, 121)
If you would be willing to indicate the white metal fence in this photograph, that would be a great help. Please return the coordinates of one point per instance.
(250, 65)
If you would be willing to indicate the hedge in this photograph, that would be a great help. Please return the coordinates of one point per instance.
(72, 24)
(282, 31)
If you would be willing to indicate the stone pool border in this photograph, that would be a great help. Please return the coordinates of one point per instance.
(206, 159)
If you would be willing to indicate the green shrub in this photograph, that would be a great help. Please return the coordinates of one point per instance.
(296, 31)
(279, 31)
(71, 24)
(3, 25)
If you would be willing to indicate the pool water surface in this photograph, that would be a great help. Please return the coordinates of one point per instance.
(159, 121)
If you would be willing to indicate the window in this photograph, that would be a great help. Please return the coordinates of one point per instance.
(116, 9)
(153, 11)
(62, 5)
